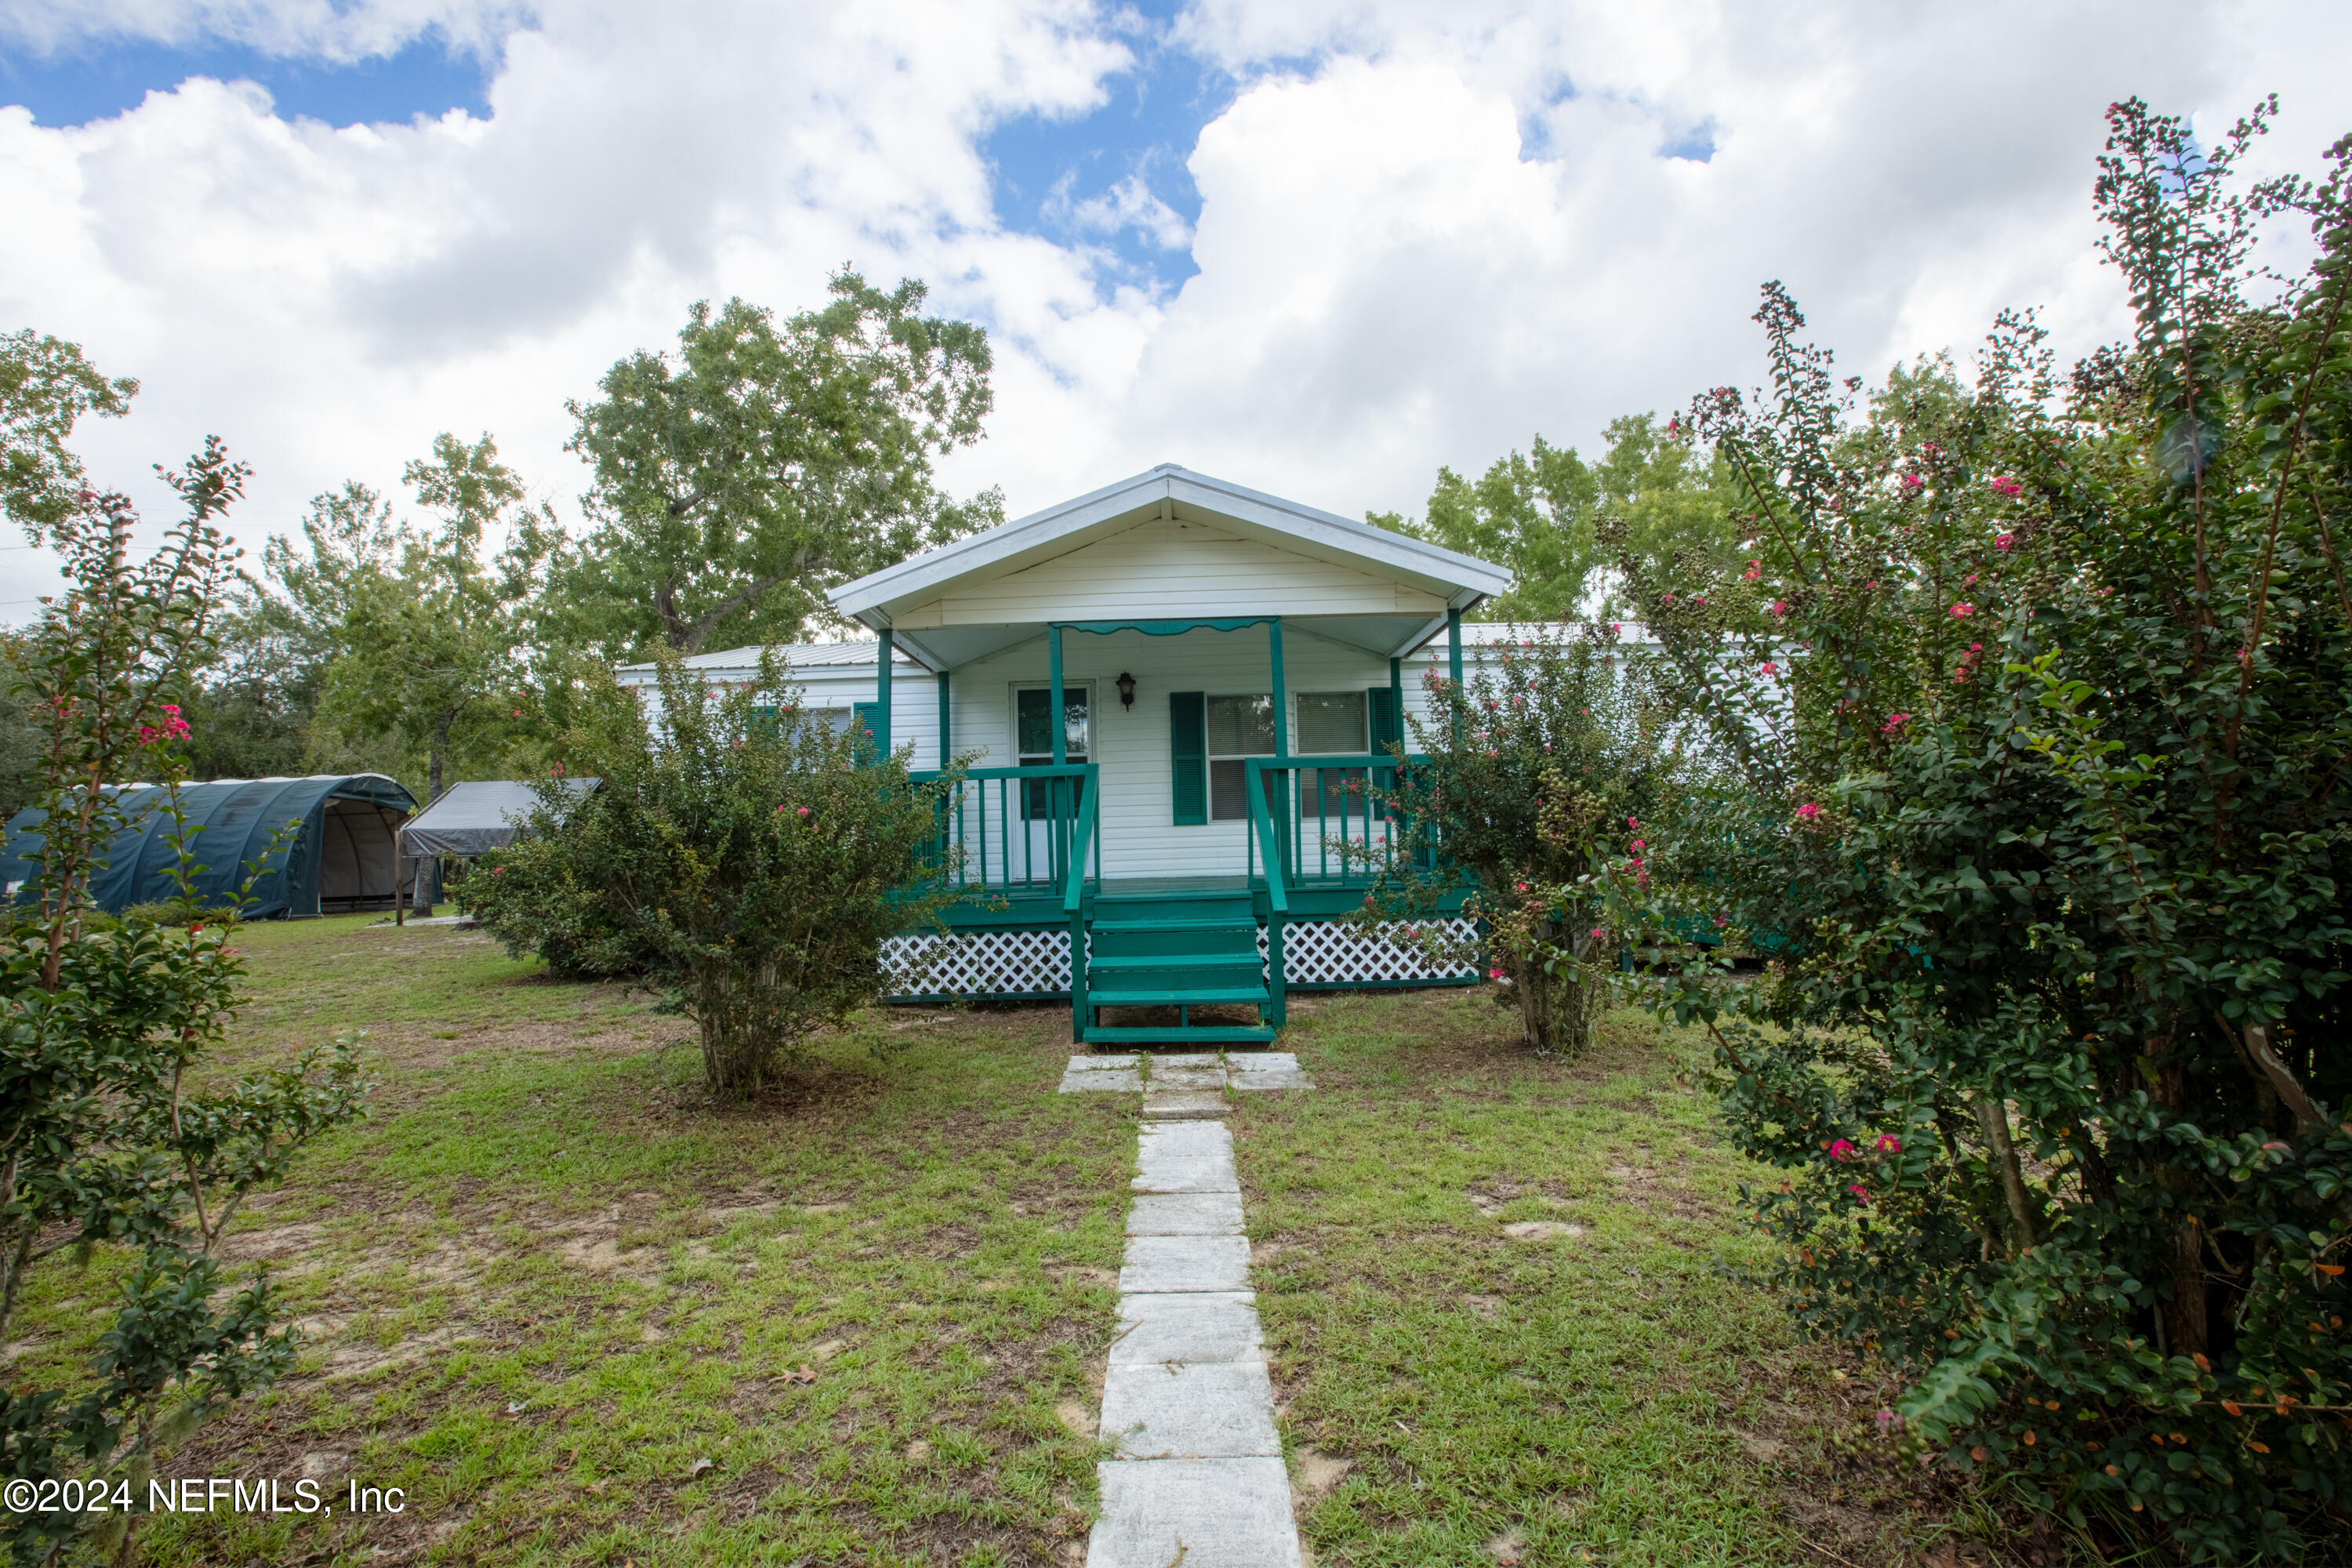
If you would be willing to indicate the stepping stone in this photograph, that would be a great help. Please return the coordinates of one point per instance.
(1211, 1513)
(1183, 1105)
(1185, 1157)
(1115, 1083)
(1156, 1264)
(1185, 1213)
(1192, 1327)
(1166, 1077)
(1211, 1410)
(1262, 1061)
(1125, 1063)
(1264, 1080)
(1187, 1059)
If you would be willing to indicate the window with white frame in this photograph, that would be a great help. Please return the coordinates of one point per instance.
(1240, 727)
(1033, 735)
(1334, 723)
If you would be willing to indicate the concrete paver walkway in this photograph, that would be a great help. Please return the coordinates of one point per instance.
(1197, 1478)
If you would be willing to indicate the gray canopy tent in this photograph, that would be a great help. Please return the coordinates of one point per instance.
(473, 819)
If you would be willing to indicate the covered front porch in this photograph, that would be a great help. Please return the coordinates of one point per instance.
(1179, 701)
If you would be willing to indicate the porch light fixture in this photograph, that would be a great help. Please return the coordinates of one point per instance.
(1126, 684)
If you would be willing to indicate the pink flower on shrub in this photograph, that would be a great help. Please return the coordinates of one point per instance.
(497, 870)
(1494, 974)
(1599, 933)
(1889, 1145)
(1754, 573)
(1911, 482)
(1639, 844)
(803, 811)
(1779, 607)
(1633, 824)
(2008, 487)
(1810, 810)
(1842, 1149)
(2003, 540)
(1861, 1192)
(1614, 628)
(1894, 722)
(1771, 669)
(1961, 610)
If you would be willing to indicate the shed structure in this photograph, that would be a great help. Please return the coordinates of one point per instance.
(337, 856)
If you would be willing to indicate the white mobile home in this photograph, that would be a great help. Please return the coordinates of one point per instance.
(1227, 665)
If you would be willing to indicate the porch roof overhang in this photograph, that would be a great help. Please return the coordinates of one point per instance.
(1431, 579)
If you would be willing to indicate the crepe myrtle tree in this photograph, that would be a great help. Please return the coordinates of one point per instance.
(742, 854)
(2041, 688)
(1535, 779)
(106, 1029)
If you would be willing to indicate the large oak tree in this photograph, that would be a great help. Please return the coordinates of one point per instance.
(738, 477)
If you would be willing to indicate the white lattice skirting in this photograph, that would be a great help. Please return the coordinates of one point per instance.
(1037, 963)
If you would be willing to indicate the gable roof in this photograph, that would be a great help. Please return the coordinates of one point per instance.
(1168, 493)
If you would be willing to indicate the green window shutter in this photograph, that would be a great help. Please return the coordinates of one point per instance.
(1388, 724)
(1188, 746)
(867, 730)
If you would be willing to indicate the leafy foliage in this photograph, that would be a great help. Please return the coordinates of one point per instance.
(46, 384)
(1560, 524)
(736, 483)
(2043, 710)
(106, 1027)
(1538, 777)
(741, 853)
(409, 642)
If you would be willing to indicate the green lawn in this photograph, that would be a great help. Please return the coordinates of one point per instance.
(579, 1318)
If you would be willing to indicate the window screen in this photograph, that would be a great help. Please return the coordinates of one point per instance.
(1032, 728)
(1331, 723)
(1239, 727)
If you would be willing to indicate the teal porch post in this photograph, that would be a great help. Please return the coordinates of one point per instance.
(882, 697)
(1053, 670)
(1396, 699)
(1454, 669)
(946, 750)
(1277, 1000)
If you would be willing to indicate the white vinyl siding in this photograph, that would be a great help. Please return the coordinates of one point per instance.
(1171, 570)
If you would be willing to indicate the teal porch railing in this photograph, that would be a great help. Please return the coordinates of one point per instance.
(1311, 805)
(1302, 811)
(1016, 830)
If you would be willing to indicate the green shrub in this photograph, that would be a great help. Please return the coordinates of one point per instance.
(1540, 775)
(739, 854)
(107, 1026)
(2043, 707)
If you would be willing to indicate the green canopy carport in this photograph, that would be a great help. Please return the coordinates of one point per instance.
(340, 853)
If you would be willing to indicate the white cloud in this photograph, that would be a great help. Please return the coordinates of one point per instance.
(1128, 205)
(1426, 231)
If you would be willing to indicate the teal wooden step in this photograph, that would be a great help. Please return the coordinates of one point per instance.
(1225, 908)
(1126, 941)
(1249, 928)
(1183, 972)
(1207, 1033)
(1131, 963)
(1126, 992)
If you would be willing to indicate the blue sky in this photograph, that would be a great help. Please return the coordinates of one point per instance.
(97, 80)
(1055, 176)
